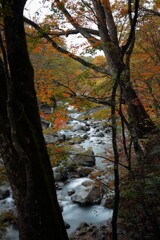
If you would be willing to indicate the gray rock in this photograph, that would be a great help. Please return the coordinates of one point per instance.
(85, 158)
(87, 195)
(79, 127)
(100, 134)
(71, 192)
(76, 140)
(85, 136)
(51, 138)
(87, 183)
(84, 171)
(60, 173)
(46, 124)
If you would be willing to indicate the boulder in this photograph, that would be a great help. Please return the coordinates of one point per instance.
(87, 183)
(108, 199)
(85, 158)
(87, 195)
(79, 127)
(84, 171)
(60, 173)
(51, 138)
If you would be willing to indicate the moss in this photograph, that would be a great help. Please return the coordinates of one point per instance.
(101, 114)
(76, 140)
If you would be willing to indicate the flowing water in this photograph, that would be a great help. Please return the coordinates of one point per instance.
(73, 213)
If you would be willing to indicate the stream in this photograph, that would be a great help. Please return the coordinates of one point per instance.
(100, 141)
(73, 213)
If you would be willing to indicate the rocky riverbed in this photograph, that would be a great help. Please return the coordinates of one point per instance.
(81, 180)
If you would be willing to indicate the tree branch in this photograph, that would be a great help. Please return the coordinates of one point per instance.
(64, 51)
(133, 27)
(110, 21)
(72, 31)
(76, 25)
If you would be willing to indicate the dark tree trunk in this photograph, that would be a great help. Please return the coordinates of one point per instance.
(22, 144)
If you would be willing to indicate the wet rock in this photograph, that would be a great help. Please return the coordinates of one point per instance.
(51, 138)
(79, 127)
(104, 125)
(100, 134)
(46, 124)
(85, 158)
(84, 171)
(60, 173)
(71, 192)
(76, 140)
(85, 136)
(108, 130)
(87, 195)
(87, 183)
(108, 199)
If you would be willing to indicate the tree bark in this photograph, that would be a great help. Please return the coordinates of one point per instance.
(22, 144)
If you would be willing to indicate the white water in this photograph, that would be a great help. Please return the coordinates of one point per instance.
(73, 213)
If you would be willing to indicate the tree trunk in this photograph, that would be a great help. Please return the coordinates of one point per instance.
(139, 120)
(22, 144)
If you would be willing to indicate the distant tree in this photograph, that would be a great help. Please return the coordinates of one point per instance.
(22, 146)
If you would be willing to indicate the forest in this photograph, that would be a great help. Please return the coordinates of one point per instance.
(79, 120)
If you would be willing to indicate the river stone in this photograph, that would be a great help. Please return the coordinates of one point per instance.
(51, 138)
(104, 125)
(79, 127)
(84, 171)
(87, 195)
(71, 192)
(76, 140)
(85, 136)
(87, 183)
(100, 134)
(60, 173)
(85, 158)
